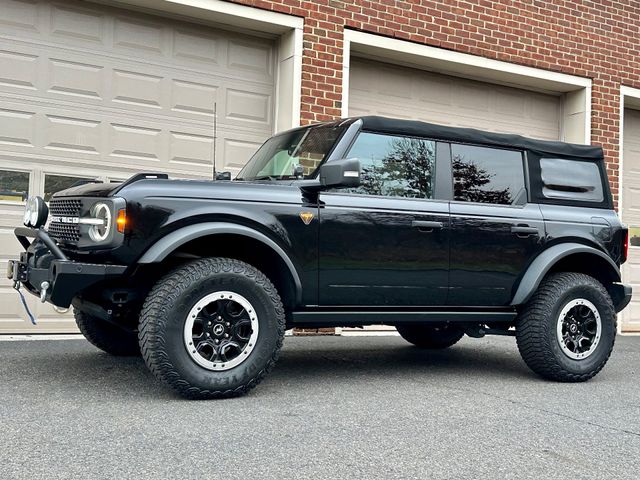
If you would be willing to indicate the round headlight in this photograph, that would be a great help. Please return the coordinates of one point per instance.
(100, 231)
(27, 214)
(35, 212)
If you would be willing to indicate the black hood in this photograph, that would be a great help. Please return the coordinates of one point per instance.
(89, 190)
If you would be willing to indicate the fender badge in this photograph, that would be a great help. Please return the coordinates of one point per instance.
(306, 217)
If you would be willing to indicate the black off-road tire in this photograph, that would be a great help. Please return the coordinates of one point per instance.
(165, 312)
(431, 337)
(106, 336)
(536, 334)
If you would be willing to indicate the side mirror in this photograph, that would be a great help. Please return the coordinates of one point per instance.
(340, 173)
(223, 176)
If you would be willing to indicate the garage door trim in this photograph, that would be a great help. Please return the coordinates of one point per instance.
(576, 116)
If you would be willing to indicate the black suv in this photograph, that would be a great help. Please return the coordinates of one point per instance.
(438, 231)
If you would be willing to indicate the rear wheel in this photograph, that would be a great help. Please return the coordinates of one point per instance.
(431, 337)
(212, 328)
(106, 336)
(567, 330)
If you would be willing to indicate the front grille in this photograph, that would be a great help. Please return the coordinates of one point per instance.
(65, 208)
(64, 232)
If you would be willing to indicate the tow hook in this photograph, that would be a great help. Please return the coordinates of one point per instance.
(44, 286)
(16, 286)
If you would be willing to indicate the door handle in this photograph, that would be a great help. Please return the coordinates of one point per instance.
(524, 231)
(427, 226)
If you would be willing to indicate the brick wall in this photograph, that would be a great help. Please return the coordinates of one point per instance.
(595, 39)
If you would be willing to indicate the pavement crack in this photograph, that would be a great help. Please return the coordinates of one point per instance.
(544, 410)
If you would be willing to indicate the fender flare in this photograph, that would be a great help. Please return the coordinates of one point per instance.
(167, 244)
(546, 260)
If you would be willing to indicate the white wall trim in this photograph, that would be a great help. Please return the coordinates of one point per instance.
(220, 11)
(462, 64)
(288, 28)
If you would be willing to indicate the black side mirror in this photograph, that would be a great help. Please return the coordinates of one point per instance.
(223, 176)
(340, 173)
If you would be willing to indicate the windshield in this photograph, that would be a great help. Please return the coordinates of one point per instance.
(291, 155)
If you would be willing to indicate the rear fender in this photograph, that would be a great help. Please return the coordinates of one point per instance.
(545, 262)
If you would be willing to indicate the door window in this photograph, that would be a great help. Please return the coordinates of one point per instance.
(394, 166)
(487, 175)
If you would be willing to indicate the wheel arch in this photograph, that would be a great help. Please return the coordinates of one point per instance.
(567, 257)
(234, 240)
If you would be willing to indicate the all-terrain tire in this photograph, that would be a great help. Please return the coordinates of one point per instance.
(106, 336)
(164, 315)
(431, 337)
(536, 328)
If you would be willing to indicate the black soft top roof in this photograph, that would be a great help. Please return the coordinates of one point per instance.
(471, 135)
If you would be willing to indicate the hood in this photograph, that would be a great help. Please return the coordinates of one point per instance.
(89, 190)
(269, 192)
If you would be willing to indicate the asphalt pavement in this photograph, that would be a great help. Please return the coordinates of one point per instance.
(334, 407)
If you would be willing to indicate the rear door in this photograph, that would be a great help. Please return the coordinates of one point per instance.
(386, 243)
(494, 231)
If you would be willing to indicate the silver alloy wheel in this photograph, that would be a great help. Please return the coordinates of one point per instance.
(221, 331)
(579, 329)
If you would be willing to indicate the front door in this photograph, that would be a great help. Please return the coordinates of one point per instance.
(386, 243)
(494, 231)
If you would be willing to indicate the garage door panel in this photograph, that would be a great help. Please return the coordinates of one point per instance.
(20, 14)
(76, 79)
(73, 23)
(18, 70)
(402, 92)
(192, 98)
(137, 36)
(18, 127)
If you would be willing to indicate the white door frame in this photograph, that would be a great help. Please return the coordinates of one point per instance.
(576, 91)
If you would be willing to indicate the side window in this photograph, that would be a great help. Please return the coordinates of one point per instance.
(571, 180)
(487, 175)
(394, 166)
(14, 186)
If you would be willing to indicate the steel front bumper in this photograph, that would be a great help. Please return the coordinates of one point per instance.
(43, 266)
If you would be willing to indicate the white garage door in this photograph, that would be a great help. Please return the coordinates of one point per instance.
(91, 91)
(631, 214)
(382, 89)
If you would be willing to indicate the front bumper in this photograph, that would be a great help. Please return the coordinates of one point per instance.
(43, 264)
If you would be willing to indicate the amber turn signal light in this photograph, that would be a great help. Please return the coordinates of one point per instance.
(121, 221)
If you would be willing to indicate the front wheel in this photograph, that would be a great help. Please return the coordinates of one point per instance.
(212, 328)
(567, 330)
(431, 337)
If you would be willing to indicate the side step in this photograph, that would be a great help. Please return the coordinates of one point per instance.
(341, 318)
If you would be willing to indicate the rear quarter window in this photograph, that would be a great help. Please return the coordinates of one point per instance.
(571, 180)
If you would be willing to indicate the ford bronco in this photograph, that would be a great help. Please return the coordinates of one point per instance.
(435, 230)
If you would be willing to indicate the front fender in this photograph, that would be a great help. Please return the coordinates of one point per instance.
(169, 243)
(544, 262)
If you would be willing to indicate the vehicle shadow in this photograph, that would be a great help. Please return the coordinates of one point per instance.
(396, 358)
(80, 368)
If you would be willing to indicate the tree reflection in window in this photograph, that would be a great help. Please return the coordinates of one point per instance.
(486, 175)
(394, 166)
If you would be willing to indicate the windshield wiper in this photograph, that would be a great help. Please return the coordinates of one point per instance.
(265, 177)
